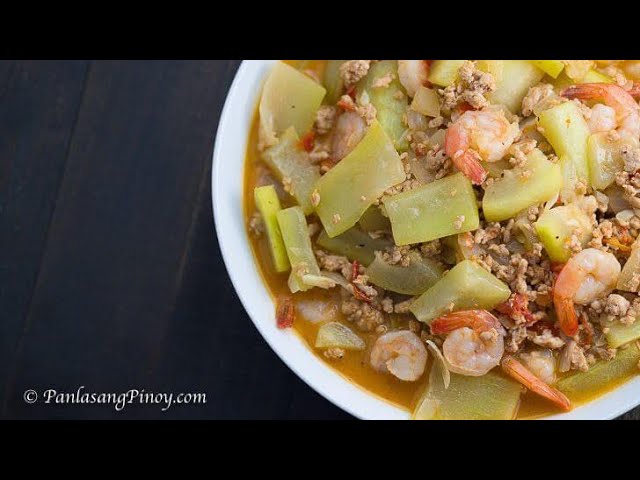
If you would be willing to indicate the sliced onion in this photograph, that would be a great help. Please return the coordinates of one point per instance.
(337, 278)
(438, 138)
(416, 121)
(625, 215)
(320, 281)
(617, 202)
(552, 201)
(515, 246)
(442, 363)
(420, 171)
(427, 102)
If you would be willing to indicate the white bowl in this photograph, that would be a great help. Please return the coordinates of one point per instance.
(226, 189)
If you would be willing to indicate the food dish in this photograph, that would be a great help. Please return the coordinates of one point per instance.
(388, 158)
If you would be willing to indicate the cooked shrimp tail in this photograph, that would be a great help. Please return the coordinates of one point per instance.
(567, 318)
(586, 277)
(519, 372)
(465, 160)
(626, 108)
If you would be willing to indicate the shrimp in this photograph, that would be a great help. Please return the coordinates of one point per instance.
(519, 372)
(400, 353)
(475, 341)
(479, 135)
(349, 130)
(589, 275)
(603, 119)
(542, 364)
(616, 97)
(413, 74)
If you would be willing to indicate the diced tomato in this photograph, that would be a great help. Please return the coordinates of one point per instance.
(308, 140)
(285, 312)
(515, 307)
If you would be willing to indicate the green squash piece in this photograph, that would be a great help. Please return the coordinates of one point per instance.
(287, 160)
(630, 268)
(605, 159)
(268, 204)
(466, 286)
(289, 99)
(517, 77)
(374, 221)
(621, 334)
(556, 226)
(433, 210)
(580, 386)
(567, 131)
(353, 244)
(490, 397)
(337, 335)
(521, 187)
(418, 277)
(354, 184)
(391, 101)
(593, 76)
(550, 67)
(333, 81)
(295, 235)
(444, 72)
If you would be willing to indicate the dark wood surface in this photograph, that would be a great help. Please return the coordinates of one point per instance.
(110, 273)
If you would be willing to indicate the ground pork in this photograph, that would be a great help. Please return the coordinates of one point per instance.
(472, 86)
(515, 337)
(396, 255)
(334, 353)
(352, 71)
(546, 339)
(256, 224)
(384, 81)
(520, 150)
(431, 249)
(630, 184)
(334, 263)
(616, 308)
(365, 316)
(321, 152)
(437, 161)
(403, 307)
(538, 95)
(325, 119)
(631, 158)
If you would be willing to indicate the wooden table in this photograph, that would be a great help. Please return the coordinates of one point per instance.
(110, 274)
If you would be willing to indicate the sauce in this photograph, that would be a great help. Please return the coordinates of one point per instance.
(354, 366)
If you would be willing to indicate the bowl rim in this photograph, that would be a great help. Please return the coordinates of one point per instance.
(231, 139)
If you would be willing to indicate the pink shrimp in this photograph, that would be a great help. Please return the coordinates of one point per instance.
(616, 97)
(519, 372)
(474, 343)
(476, 136)
(589, 275)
